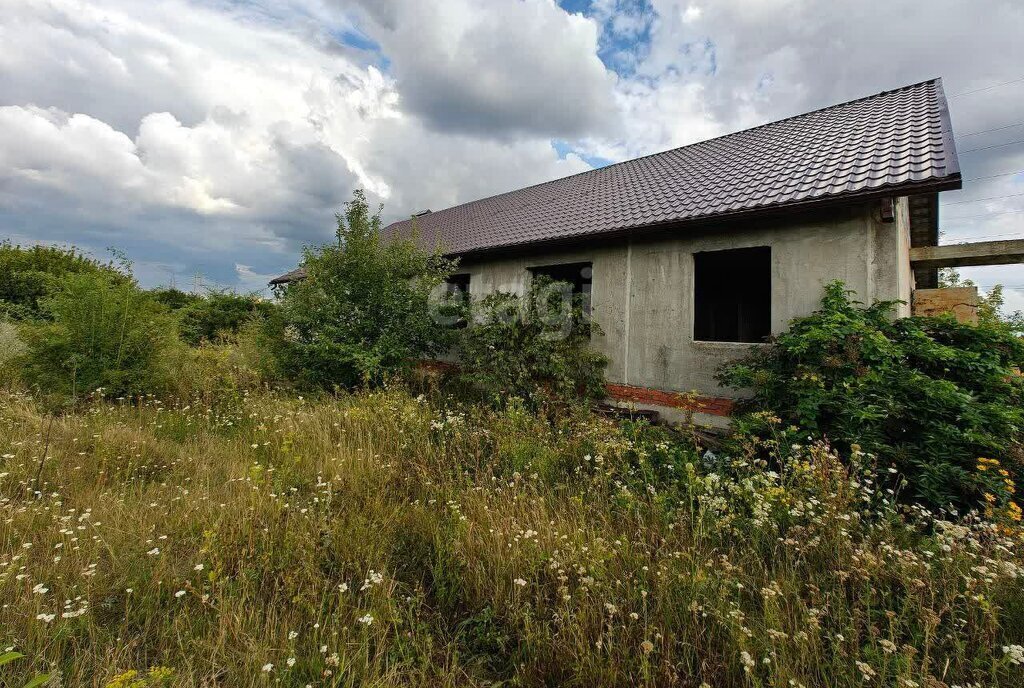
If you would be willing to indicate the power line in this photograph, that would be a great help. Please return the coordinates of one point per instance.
(998, 145)
(994, 176)
(979, 200)
(989, 131)
(999, 212)
(987, 88)
(967, 240)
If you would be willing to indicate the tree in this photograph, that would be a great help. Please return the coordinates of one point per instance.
(98, 332)
(28, 275)
(220, 315)
(363, 311)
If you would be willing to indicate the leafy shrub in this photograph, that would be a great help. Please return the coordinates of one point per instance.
(29, 275)
(363, 312)
(101, 332)
(220, 315)
(12, 348)
(174, 299)
(221, 374)
(535, 347)
(928, 395)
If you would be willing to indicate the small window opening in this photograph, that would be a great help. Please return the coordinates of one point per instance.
(579, 275)
(732, 295)
(458, 295)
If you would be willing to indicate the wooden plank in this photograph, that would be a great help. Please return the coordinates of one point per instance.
(963, 255)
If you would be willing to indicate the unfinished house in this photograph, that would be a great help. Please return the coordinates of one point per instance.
(692, 256)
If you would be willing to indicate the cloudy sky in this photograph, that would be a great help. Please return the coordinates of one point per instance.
(216, 137)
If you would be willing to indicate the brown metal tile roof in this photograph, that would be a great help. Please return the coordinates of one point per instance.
(895, 142)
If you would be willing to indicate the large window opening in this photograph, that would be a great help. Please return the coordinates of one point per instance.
(732, 295)
(579, 275)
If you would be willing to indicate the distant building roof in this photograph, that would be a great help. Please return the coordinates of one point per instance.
(897, 142)
(293, 276)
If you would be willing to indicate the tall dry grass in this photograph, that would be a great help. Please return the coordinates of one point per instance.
(378, 540)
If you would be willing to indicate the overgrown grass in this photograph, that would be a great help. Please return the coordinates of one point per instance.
(376, 540)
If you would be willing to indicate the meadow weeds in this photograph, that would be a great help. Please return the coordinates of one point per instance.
(379, 539)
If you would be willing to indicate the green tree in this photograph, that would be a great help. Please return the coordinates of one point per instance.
(175, 299)
(220, 315)
(100, 331)
(364, 310)
(929, 396)
(28, 275)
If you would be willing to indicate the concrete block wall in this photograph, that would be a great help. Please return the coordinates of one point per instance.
(643, 288)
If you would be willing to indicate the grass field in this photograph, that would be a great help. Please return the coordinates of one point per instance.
(378, 540)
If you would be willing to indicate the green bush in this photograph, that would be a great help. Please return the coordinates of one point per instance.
(29, 275)
(929, 396)
(535, 347)
(220, 316)
(364, 310)
(173, 298)
(100, 332)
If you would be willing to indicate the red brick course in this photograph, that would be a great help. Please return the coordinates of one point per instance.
(644, 395)
(640, 395)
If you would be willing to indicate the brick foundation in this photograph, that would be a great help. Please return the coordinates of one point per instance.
(644, 395)
(714, 406)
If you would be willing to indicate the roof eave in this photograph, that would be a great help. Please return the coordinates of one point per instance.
(948, 183)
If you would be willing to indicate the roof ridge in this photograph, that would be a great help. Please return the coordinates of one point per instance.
(934, 80)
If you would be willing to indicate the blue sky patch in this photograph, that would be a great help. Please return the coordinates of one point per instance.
(564, 148)
(625, 36)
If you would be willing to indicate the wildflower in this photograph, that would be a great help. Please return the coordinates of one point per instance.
(1015, 653)
(197, 567)
(866, 671)
(292, 635)
(366, 620)
(267, 668)
(888, 646)
(46, 618)
(40, 589)
(647, 647)
(290, 662)
(343, 587)
(1014, 511)
(520, 582)
(153, 552)
(179, 594)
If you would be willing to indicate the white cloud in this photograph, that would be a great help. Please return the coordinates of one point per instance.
(497, 68)
(216, 137)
